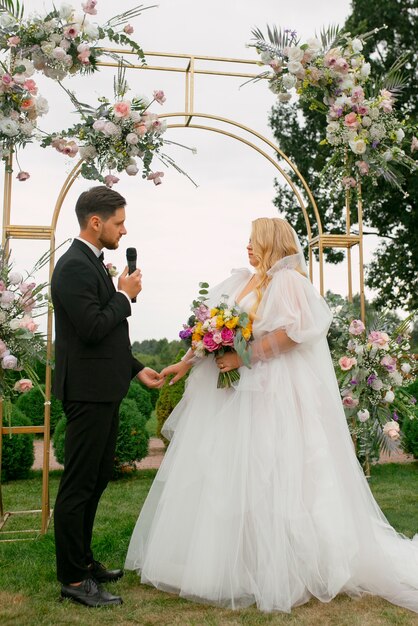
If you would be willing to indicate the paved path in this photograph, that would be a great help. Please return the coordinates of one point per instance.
(152, 461)
(156, 453)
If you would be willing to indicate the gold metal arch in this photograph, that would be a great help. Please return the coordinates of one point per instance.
(189, 69)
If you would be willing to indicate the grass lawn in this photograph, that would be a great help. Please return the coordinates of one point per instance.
(29, 592)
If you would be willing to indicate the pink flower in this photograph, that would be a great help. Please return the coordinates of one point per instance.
(378, 339)
(89, 7)
(227, 336)
(30, 85)
(3, 349)
(156, 177)
(110, 180)
(71, 32)
(99, 125)
(348, 182)
(351, 120)
(23, 385)
(7, 80)
(357, 95)
(27, 103)
(28, 323)
(2, 286)
(122, 108)
(363, 415)
(363, 167)
(23, 176)
(217, 337)
(9, 362)
(341, 66)
(7, 297)
(202, 313)
(128, 29)
(26, 287)
(331, 57)
(356, 327)
(70, 149)
(349, 402)
(388, 362)
(159, 97)
(391, 429)
(140, 129)
(209, 343)
(346, 363)
(414, 144)
(13, 41)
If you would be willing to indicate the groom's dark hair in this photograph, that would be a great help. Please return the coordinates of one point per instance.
(100, 201)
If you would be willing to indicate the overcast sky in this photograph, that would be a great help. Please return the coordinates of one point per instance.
(183, 234)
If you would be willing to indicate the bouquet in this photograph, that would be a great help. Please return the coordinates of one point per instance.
(371, 374)
(21, 346)
(218, 330)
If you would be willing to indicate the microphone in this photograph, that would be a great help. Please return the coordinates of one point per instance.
(131, 260)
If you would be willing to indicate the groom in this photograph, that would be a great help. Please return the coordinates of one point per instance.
(93, 368)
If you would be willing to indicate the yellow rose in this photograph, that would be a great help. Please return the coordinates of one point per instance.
(196, 337)
(232, 322)
(246, 333)
(219, 321)
(214, 312)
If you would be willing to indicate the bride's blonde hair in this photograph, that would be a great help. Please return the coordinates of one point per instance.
(272, 238)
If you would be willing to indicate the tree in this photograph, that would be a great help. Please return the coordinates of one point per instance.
(298, 130)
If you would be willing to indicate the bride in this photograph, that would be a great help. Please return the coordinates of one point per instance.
(260, 498)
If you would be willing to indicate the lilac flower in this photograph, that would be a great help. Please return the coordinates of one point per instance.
(395, 416)
(353, 381)
(371, 379)
(186, 333)
(202, 313)
(375, 143)
(413, 400)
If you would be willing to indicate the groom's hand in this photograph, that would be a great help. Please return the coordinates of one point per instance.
(130, 283)
(150, 378)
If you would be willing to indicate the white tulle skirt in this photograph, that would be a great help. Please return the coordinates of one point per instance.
(260, 498)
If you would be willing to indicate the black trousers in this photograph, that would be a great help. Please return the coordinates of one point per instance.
(90, 443)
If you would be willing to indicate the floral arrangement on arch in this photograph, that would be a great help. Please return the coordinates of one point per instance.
(333, 76)
(112, 137)
(372, 372)
(21, 346)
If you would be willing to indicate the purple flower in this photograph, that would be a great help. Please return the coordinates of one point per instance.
(186, 333)
(399, 339)
(395, 416)
(371, 379)
(413, 400)
(353, 382)
(375, 143)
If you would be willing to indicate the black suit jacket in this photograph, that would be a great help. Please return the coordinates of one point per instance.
(93, 357)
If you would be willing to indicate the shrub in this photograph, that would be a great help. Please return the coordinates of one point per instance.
(410, 436)
(17, 453)
(141, 397)
(32, 405)
(170, 396)
(132, 441)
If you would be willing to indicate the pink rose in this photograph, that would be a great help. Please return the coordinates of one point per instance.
(9, 362)
(357, 95)
(391, 429)
(110, 180)
(209, 343)
(99, 125)
(71, 32)
(378, 339)
(25, 287)
(3, 348)
(363, 167)
(28, 323)
(122, 108)
(227, 336)
(217, 337)
(30, 86)
(388, 363)
(159, 97)
(340, 66)
(12, 42)
(7, 80)
(346, 363)
(351, 120)
(348, 182)
(7, 297)
(89, 7)
(140, 129)
(23, 176)
(414, 144)
(356, 327)
(349, 402)
(128, 29)
(70, 149)
(156, 177)
(23, 385)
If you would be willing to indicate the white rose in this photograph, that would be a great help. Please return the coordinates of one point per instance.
(374, 113)
(294, 67)
(132, 138)
(365, 69)
(399, 135)
(295, 54)
(377, 384)
(389, 396)
(406, 368)
(29, 69)
(314, 45)
(9, 127)
(42, 106)
(132, 170)
(396, 377)
(358, 147)
(14, 324)
(366, 121)
(91, 31)
(19, 78)
(15, 278)
(48, 48)
(289, 81)
(388, 156)
(65, 11)
(363, 415)
(284, 97)
(359, 349)
(111, 129)
(341, 101)
(357, 45)
(347, 83)
(355, 62)
(59, 53)
(333, 127)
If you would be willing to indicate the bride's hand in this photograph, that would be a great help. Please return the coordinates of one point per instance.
(229, 361)
(177, 369)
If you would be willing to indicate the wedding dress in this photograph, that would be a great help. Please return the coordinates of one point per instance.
(260, 498)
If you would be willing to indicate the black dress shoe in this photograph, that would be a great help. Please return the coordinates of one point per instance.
(102, 575)
(89, 593)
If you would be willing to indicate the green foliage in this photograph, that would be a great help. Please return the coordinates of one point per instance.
(156, 353)
(32, 405)
(170, 396)
(17, 452)
(410, 437)
(132, 441)
(393, 273)
(141, 397)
